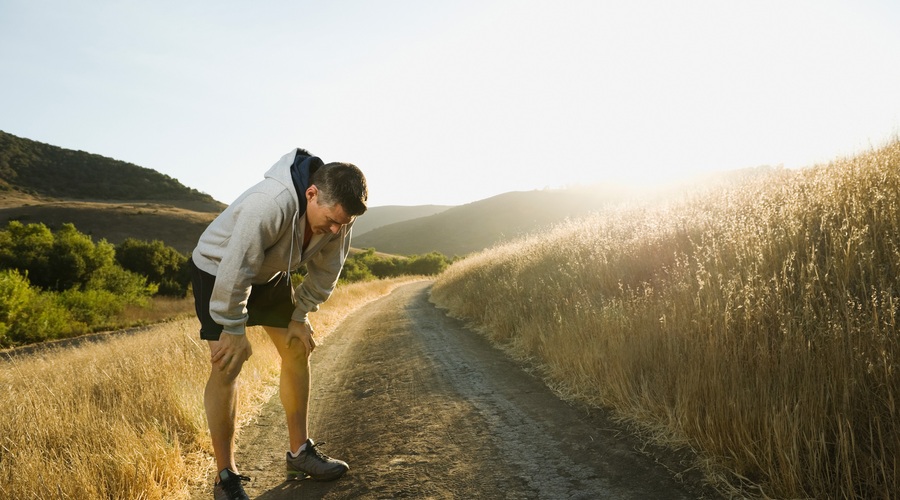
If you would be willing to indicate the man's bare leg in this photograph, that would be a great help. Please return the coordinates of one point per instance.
(220, 400)
(294, 385)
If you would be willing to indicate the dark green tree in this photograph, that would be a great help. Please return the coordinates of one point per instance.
(430, 264)
(74, 258)
(27, 248)
(160, 263)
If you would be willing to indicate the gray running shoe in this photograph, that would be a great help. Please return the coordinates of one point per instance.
(314, 464)
(229, 486)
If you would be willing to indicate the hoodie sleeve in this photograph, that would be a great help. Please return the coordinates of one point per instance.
(324, 269)
(257, 223)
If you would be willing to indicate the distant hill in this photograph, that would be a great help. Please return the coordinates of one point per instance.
(376, 217)
(481, 224)
(43, 170)
(104, 198)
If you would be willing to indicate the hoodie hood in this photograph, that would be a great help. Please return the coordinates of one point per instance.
(283, 171)
(302, 168)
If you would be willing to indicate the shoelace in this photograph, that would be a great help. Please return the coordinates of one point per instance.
(233, 485)
(314, 450)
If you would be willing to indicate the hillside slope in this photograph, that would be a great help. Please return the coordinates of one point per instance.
(376, 217)
(114, 222)
(481, 224)
(40, 169)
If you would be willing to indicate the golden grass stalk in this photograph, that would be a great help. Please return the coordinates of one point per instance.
(755, 322)
(124, 417)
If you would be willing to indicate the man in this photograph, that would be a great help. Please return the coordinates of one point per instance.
(300, 213)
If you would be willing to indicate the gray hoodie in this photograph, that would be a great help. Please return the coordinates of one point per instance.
(259, 235)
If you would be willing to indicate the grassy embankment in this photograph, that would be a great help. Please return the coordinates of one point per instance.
(756, 323)
(124, 418)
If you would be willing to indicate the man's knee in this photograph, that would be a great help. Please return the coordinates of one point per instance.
(299, 353)
(296, 355)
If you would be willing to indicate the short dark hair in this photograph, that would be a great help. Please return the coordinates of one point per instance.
(342, 184)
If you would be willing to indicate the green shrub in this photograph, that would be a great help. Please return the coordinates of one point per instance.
(161, 264)
(131, 287)
(27, 248)
(28, 315)
(74, 258)
(15, 294)
(92, 307)
(354, 271)
(430, 264)
(54, 261)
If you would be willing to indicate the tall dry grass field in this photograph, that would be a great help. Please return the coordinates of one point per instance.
(756, 323)
(123, 418)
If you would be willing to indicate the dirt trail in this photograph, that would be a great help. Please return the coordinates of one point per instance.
(421, 407)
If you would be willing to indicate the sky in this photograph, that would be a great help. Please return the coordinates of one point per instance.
(456, 101)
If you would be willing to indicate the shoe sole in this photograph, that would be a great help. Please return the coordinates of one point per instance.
(293, 475)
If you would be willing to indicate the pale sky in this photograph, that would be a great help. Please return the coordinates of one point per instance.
(454, 101)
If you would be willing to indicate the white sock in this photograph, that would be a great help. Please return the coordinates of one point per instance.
(295, 454)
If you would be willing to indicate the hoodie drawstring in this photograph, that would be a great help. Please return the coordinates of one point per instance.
(293, 237)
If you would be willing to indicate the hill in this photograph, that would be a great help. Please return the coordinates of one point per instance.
(177, 227)
(43, 170)
(105, 198)
(481, 224)
(376, 217)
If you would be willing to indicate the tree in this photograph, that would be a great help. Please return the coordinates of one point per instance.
(355, 270)
(27, 248)
(160, 263)
(74, 258)
(430, 264)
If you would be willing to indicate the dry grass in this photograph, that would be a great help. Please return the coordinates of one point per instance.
(160, 308)
(756, 323)
(123, 418)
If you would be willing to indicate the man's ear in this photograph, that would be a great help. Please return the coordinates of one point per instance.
(310, 192)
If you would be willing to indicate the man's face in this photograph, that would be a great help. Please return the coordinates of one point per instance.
(323, 219)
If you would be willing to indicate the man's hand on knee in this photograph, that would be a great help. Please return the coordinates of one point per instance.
(301, 332)
(230, 352)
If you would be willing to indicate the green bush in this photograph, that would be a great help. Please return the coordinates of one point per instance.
(74, 258)
(161, 264)
(28, 315)
(60, 261)
(92, 307)
(27, 248)
(354, 271)
(60, 285)
(131, 287)
(15, 294)
(367, 265)
(430, 264)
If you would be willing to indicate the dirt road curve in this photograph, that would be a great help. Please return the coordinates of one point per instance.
(421, 407)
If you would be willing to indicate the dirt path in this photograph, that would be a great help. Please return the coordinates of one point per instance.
(421, 407)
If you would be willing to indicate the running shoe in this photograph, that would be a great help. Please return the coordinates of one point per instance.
(312, 463)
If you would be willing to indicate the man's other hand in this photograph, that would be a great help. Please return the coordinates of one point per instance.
(230, 352)
(301, 332)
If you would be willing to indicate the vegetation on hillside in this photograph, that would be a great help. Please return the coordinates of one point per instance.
(756, 323)
(61, 284)
(42, 169)
(369, 265)
(116, 222)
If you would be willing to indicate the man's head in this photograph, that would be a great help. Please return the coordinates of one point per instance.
(337, 193)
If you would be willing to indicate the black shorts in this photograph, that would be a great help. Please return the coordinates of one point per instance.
(270, 304)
